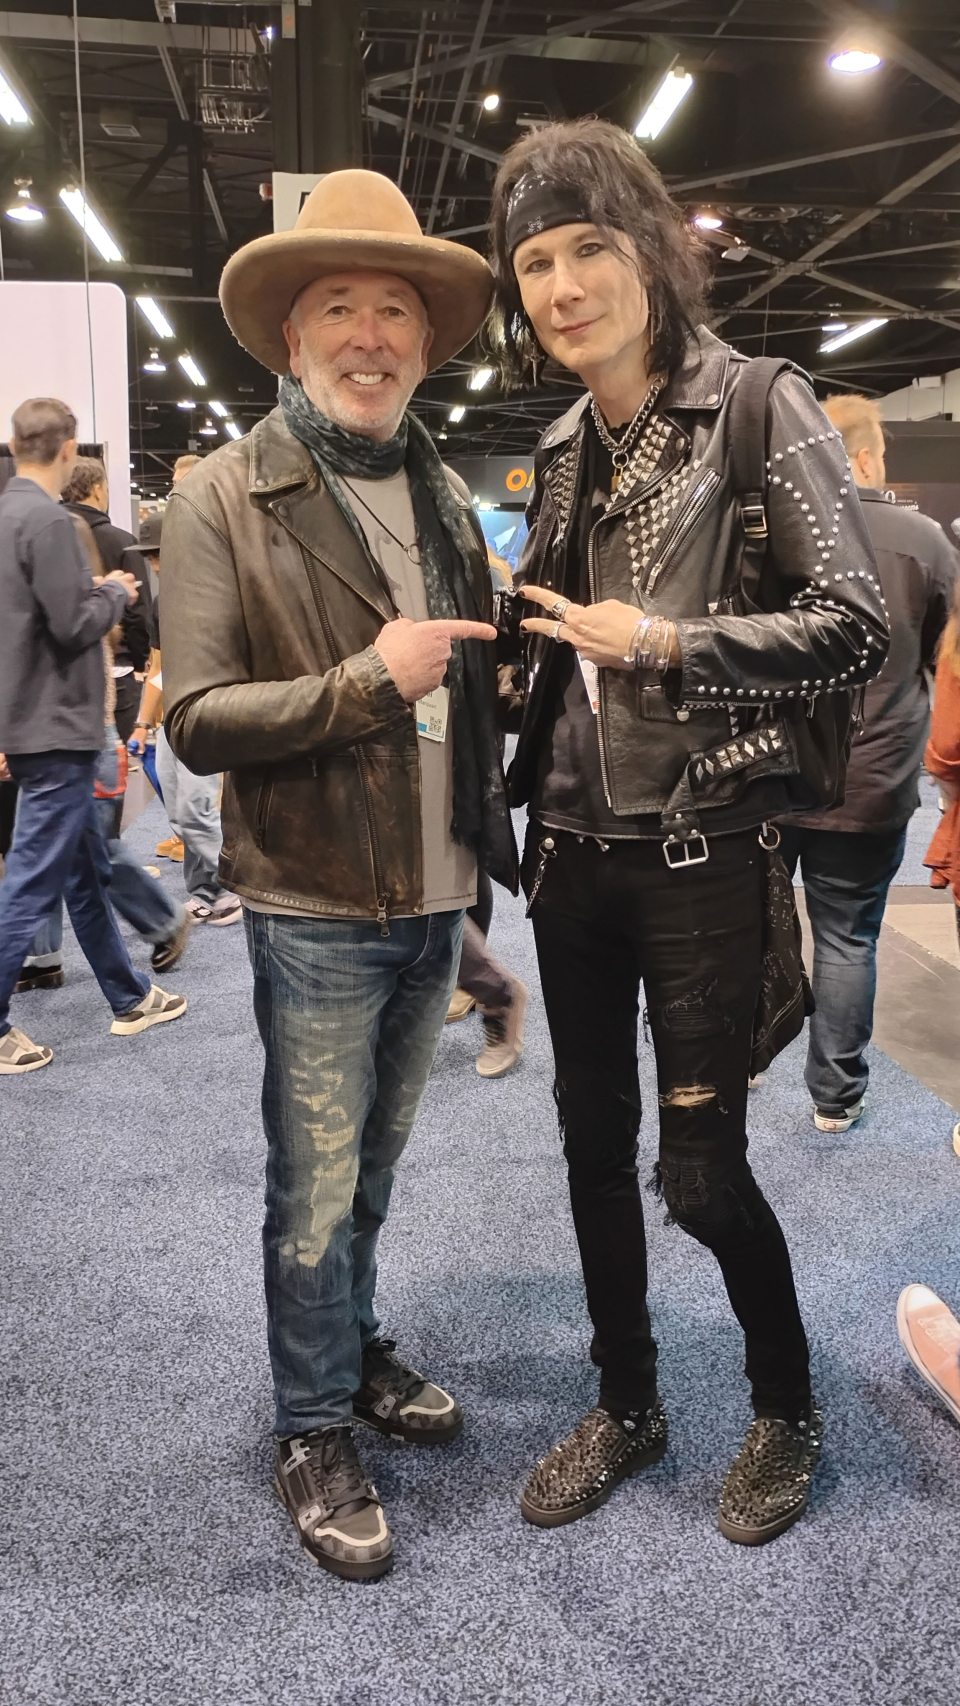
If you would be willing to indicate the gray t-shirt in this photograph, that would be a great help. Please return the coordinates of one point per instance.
(384, 509)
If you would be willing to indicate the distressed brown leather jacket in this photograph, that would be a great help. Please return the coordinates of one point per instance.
(269, 614)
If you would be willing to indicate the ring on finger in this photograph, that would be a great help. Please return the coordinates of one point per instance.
(556, 633)
(559, 609)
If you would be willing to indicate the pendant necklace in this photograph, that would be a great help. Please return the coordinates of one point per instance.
(621, 449)
(411, 551)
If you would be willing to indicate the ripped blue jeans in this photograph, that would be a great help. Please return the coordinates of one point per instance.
(350, 1022)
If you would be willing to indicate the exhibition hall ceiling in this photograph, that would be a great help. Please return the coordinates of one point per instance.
(829, 196)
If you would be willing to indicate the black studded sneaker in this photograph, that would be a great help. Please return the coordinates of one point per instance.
(580, 1473)
(767, 1487)
(333, 1506)
(396, 1400)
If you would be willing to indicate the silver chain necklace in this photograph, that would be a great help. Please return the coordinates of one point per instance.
(622, 448)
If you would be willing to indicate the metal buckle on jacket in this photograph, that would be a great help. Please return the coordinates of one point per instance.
(678, 853)
(753, 517)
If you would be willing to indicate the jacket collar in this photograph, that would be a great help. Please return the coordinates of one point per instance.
(277, 459)
(870, 494)
(698, 383)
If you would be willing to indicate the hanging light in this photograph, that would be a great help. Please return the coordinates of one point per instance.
(191, 369)
(854, 54)
(849, 335)
(24, 209)
(219, 411)
(91, 225)
(480, 377)
(491, 102)
(666, 99)
(708, 220)
(208, 430)
(154, 364)
(152, 312)
(187, 403)
(456, 413)
(232, 428)
(12, 109)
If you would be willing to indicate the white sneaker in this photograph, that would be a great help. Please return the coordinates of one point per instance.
(155, 1009)
(755, 1083)
(503, 1034)
(956, 1138)
(930, 1335)
(19, 1054)
(839, 1122)
(226, 909)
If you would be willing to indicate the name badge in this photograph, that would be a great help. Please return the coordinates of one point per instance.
(591, 682)
(432, 712)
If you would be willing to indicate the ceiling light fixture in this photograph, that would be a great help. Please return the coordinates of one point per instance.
(208, 430)
(666, 99)
(456, 413)
(852, 60)
(91, 225)
(187, 403)
(491, 102)
(480, 377)
(832, 326)
(232, 428)
(12, 109)
(848, 336)
(708, 221)
(191, 369)
(154, 365)
(219, 411)
(24, 210)
(158, 320)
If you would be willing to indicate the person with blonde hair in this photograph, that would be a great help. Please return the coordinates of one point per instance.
(848, 857)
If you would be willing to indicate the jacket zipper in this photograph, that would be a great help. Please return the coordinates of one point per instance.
(263, 810)
(688, 516)
(601, 696)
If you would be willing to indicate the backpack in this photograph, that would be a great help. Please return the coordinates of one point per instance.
(822, 727)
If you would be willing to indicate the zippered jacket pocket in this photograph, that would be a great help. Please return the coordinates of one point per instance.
(682, 525)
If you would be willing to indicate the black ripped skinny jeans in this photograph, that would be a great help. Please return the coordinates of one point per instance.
(603, 921)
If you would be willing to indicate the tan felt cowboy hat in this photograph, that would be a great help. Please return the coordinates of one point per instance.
(353, 221)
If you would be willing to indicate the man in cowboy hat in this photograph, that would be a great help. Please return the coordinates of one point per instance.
(324, 632)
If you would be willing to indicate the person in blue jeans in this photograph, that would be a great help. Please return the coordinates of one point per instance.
(325, 586)
(52, 730)
(848, 857)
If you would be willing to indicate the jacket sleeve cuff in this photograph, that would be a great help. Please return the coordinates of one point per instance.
(944, 769)
(375, 677)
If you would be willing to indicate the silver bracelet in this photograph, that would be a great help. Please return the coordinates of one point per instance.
(650, 644)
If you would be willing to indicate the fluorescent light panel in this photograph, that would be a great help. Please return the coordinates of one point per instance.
(12, 109)
(191, 369)
(154, 313)
(91, 224)
(456, 413)
(232, 428)
(480, 377)
(219, 410)
(667, 98)
(851, 333)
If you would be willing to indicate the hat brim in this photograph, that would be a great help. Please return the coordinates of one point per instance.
(261, 280)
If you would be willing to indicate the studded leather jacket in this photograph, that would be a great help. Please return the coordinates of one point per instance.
(724, 735)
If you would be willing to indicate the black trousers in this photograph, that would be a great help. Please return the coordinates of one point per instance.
(603, 921)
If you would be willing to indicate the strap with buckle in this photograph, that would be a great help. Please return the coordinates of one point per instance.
(753, 515)
(718, 776)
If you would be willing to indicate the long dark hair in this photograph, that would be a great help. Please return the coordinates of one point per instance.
(623, 192)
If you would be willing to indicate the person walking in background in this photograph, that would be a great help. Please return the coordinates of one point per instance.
(87, 496)
(52, 731)
(321, 577)
(942, 760)
(849, 856)
(190, 802)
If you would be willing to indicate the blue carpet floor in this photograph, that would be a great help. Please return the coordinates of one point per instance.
(145, 1561)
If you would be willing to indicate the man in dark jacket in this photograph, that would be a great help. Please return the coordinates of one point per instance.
(87, 495)
(848, 857)
(52, 729)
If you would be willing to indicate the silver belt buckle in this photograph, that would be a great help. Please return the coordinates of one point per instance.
(683, 851)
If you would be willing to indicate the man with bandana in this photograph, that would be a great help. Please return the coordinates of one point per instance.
(325, 633)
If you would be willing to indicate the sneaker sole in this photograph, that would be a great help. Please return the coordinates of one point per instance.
(122, 1028)
(924, 1373)
(557, 1519)
(826, 1122)
(43, 980)
(760, 1536)
(232, 918)
(342, 1567)
(499, 1071)
(30, 1066)
(434, 1437)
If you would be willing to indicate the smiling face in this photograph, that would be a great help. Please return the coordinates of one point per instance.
(358, 343)
(584, 298)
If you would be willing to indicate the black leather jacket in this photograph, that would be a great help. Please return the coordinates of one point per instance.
(673, 541)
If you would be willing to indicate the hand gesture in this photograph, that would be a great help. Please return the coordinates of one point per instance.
(128, 581)
(601, 633)
(417, 653)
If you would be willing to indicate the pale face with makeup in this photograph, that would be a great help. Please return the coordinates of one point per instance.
(588, 307)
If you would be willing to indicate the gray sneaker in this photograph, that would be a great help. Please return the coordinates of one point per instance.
(19, 1054)
(333, 1506)
(155, 1009)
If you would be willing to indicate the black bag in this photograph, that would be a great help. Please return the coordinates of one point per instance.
(821, 726)
(785, 998)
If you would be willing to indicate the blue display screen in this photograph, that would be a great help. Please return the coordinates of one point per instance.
(505, 531)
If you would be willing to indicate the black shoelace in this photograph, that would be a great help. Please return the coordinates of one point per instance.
(403, 1381)
(334, 1461)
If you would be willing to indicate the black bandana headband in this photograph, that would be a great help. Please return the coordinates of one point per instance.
(538, 205)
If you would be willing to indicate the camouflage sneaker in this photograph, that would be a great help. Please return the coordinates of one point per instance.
(580, 1473)
(768, 1485)
(333, 1506)
(396, 1400)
